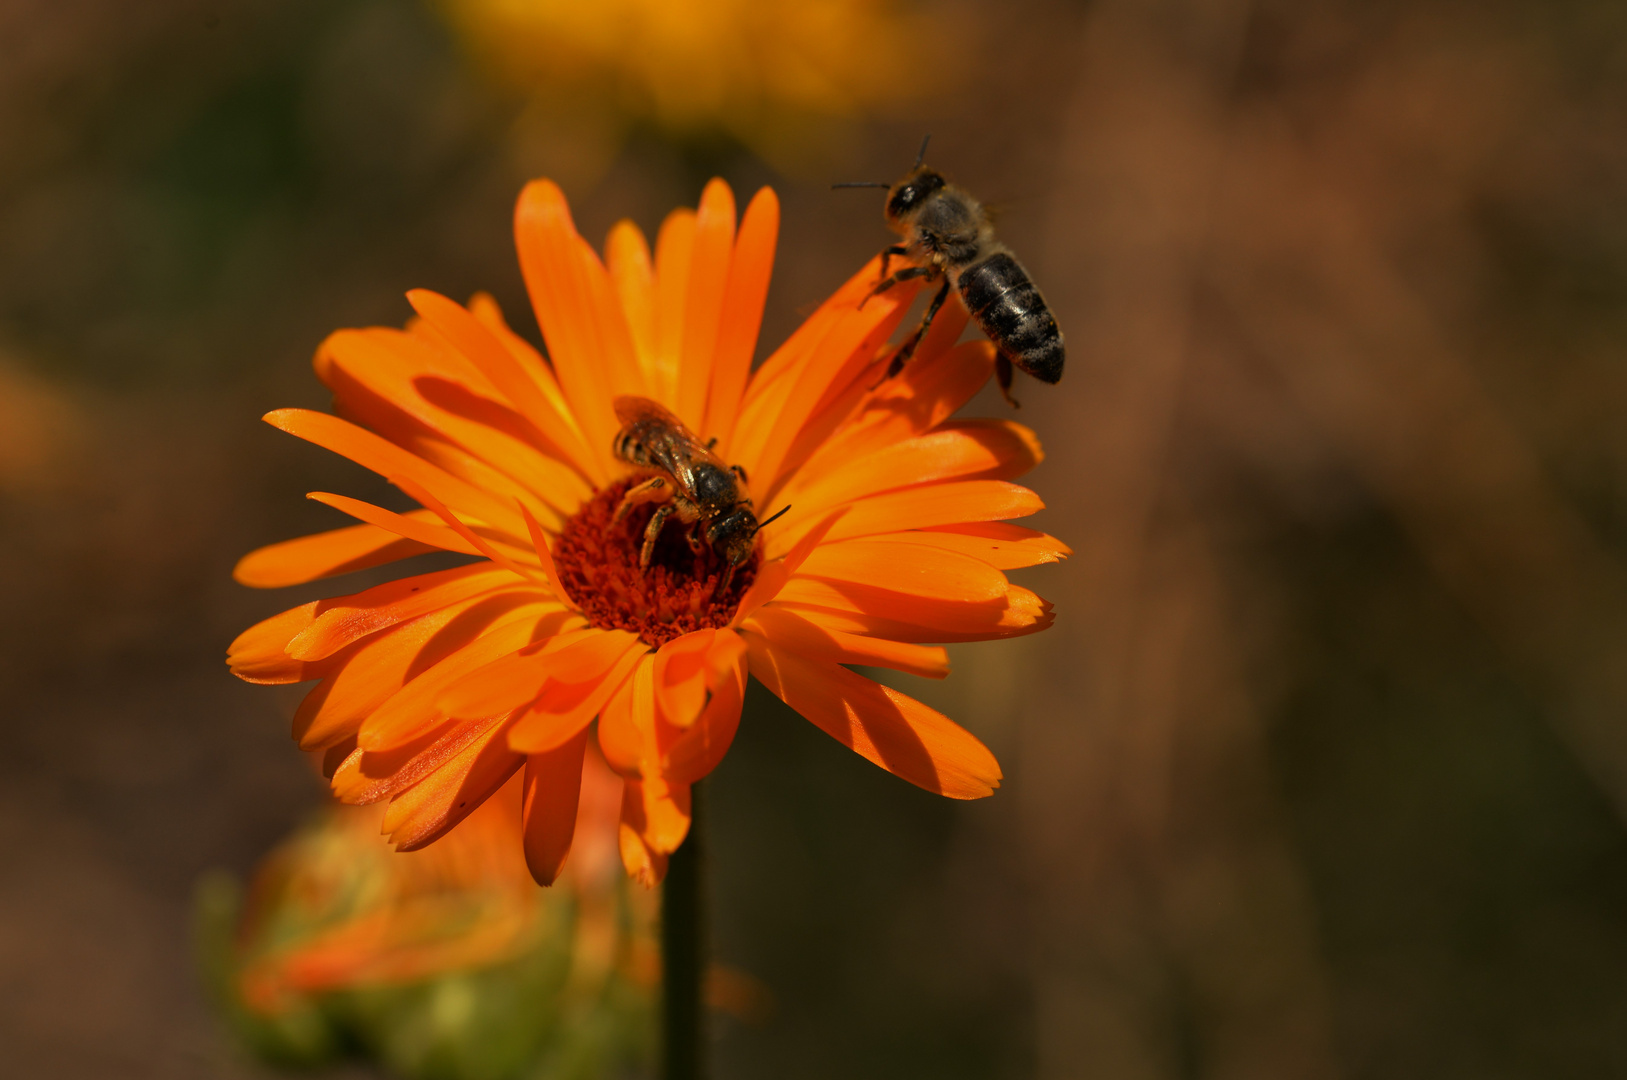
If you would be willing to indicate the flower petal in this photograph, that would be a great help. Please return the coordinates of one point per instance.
(703, 300)
(414, 711)
(326, 554)
(627, 258)
(794, 633)
(674, 258)
(259, 654)
(385, 458)
(513, 681)
(424, 812)
(620, 737)
(427, 533)
(772, 576)
(680, 676)
(918, 621)
(567, 706)
(836, 360)
(749, 273)
(553, 790)
(963, 450)
(344, 619)
(913, 570)
(1001, 545)
(921, 507)
(376, 668)
(483, 349)
(662, 813)
(695, 753)
(926, 393)
(891, 729)
(420, 391)
(586, 333)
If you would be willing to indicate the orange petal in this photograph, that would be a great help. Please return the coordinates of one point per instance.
(513, 681)
(838, 358)
(374, 453)
(696, 752)
(909, 570)
(259, 654)
(965, 450)
(747, 292)
(643, 865)
(674, 258)
(680, 676)
(484, 308)
(553, 789)
(414, 529)
(345, 619)
(367, 776)
(921, 507)
(414, 710)
(891, 729)
(586, 333)
(620, 731)
(1001, 545)
(481, 546)
(566, 707)
(419, 391)
(926, 393)
(545, 559)
(627, 257)
(772, 576)
(371, 672)
(326, 554)
(424, 812)
(662, 817)
(703, 300)
(483, 349)
(918, 621)
(791, 632)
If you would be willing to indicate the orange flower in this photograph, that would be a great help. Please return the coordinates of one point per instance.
(435, 689)
(333, 909)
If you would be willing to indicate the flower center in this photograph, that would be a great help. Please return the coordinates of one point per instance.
(678, 592)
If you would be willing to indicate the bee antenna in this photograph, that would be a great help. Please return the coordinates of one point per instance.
(920, 157)
(860, 183)
(771, 517)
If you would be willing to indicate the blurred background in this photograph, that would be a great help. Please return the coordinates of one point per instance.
(1322, 771)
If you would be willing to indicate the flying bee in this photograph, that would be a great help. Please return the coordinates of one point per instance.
(947, 234)
(699, 489)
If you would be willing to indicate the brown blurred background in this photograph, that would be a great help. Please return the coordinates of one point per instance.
(1322, 771)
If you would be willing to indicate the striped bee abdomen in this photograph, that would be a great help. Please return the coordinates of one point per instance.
(1005, 304)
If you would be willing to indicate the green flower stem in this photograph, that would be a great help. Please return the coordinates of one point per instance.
(684, 953)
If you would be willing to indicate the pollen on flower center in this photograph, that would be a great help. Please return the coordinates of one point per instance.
(677, 594)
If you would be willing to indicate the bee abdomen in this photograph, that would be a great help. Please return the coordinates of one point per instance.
(1005, 304)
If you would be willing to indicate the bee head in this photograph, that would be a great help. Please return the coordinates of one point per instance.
(911, 193)
(733, 535)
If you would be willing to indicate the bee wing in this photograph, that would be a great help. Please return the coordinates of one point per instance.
(631, 409)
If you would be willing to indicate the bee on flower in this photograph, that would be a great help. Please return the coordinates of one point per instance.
(577, 622)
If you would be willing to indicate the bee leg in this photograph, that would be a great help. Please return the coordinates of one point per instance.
(739, 471)
(1002, 375)
(696, 544)
(887, 254)
(649, 490)
(905, 274)
(728, 576)
(907, 350)
(652, 533)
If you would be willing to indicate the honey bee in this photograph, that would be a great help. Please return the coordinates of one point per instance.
(948, 234)
(699, 489)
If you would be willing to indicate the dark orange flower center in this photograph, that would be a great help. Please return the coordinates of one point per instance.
(676, 594)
